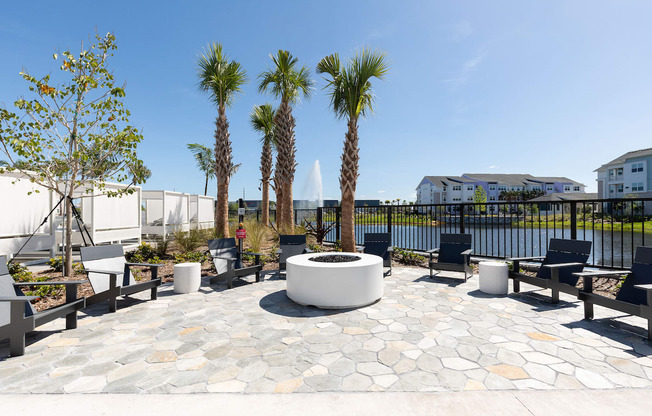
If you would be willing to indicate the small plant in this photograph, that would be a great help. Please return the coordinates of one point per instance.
(21, 273)
(319, 230)
(161, 249)
(188, 241)
(190, 257)
(56, 265)
(317, 248)
(145, 253)
(408, 257)
(256, 235)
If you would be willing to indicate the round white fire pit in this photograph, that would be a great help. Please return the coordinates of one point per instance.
(335, 285)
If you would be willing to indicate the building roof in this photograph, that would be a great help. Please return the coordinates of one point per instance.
(518, 179)
(629, 155)
(559, 197)
(505, 178)
(442, 181)
(553, 179)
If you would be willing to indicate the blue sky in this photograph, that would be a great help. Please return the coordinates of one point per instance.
(550, 88)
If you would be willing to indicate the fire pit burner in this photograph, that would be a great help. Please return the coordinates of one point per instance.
(334, 258)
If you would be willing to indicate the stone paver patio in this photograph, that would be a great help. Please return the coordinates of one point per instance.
(424, 335)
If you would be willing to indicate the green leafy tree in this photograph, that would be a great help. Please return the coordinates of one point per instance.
(262, 121)
(351, 98)
(285, 80)
(74, 131)
(205, 159)
(222, 79)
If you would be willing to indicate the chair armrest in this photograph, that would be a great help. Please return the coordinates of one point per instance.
(18, 298)
(51, 283)
(562, 265)
(434, 250)
(467, 252)
(145, 264)
(279, 251)
(101, 271)
(307, 250)
(252, 254)
(390, 249)
(646, 287)
(603, 273)
(538, 258)
(359, 249)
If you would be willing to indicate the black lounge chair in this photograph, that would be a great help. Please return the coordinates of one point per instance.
(18, 316)
(380, 244)
(290, 245)
(228, 261)
(454, 254)
(562, 260)
(104, 264)
(635, 294)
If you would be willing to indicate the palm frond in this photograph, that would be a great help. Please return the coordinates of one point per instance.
(218, 76)
(204, 157)
(283, 80)
(262, 121)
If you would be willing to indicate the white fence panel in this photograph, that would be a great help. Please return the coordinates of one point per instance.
(202, 212)
(21, 214)
(165, 212)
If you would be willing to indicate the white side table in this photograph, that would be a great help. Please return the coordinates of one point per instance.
(187, 277)
(493, 277)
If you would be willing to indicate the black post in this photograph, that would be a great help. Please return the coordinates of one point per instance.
(241, 204)
(338, 214)
(296, 220)
(258, 215)
(573, 224)
(389, 219)
(462, 218)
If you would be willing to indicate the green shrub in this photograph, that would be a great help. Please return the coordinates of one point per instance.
(21, 274)
(145, 253)
(407, 257)
(191, 257)
(317, 248)
(256, 235)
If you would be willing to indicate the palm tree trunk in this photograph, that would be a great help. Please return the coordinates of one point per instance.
(265, 204)
(348, 180)
(223, 166)
(206, 186)
(286, 164)
(279, 202)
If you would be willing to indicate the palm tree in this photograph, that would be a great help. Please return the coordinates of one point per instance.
(204, 157)
(222, 79)
(351, 97)
(262, 120)
(285, 81)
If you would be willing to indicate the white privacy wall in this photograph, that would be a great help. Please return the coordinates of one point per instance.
(113, 219)
(165, 212)
(21, 214)
(202, 212)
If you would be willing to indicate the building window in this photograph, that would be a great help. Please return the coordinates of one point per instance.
(566, 188)
(470, 199)
(619, 188)
(445, 188)
(619, 172)
(637, 186)
(492, 198)
(457, 199)
(637, 167)
(492, 187)
(536, 187)
(502, 188)
(549, 187)
(469, 188)
(457, 187)
(576, 188)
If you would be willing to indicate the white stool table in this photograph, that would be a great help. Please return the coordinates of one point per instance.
(187, 277)
(493, 277)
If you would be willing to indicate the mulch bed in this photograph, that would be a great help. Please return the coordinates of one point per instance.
(602, 286)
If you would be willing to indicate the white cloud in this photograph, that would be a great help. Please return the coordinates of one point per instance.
(381, 192)
(494, 167)
(466, 70)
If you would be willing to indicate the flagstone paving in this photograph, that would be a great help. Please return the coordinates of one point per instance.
(424, 335)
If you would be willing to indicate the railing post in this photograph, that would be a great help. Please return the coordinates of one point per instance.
(573, 219)
(462, 219)
(389, 219)
(338, 214)
(320, 217)
(258, 215)
(296, 220)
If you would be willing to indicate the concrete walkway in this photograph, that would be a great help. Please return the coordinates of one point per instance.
(425, 335)
(504, 403)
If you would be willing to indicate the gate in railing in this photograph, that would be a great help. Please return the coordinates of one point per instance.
(510, 229)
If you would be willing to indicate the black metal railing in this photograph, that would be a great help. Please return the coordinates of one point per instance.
(510, 229)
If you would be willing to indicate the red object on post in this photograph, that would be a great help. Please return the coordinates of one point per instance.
(241, 234)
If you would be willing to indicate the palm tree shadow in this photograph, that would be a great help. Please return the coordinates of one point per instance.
(444, 280)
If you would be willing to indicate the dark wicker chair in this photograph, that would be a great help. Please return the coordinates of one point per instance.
(380, 244)
(290, 245)
(635, 294)
(104, 264)
(454, 254)
(228, 261)
(562, 260)
(18, 316)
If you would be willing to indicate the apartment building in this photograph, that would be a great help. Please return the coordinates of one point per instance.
(458, 189)
(628, 174)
